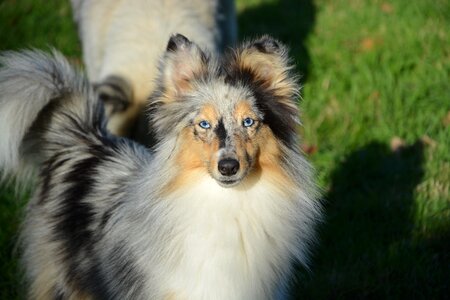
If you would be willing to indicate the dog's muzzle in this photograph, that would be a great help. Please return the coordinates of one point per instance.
(228, 166)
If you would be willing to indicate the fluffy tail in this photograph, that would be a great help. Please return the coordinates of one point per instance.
(41, 91)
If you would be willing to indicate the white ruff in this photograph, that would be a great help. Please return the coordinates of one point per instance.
(224, 243)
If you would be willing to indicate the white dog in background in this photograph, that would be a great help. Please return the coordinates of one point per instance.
(124, 40)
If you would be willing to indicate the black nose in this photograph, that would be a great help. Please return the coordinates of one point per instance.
(228, 166)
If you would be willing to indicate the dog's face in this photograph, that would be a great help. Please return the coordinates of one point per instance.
(231, 116)
(224, 134)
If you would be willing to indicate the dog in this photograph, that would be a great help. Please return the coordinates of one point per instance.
(222, 207)
(122, 42)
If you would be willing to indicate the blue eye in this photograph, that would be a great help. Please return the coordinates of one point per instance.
(204, 124)
(248, 122)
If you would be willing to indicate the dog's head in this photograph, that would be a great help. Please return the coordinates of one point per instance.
(232, 116)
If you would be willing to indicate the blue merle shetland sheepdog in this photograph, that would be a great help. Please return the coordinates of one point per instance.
(220, 209)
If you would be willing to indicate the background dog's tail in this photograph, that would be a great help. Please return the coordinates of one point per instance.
(40, 91)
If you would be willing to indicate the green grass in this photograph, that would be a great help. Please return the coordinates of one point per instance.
(373, 72)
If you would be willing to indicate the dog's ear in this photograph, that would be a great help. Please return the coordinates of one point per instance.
(265, 62)
(182, 63)
(181, 66)
(264, 66)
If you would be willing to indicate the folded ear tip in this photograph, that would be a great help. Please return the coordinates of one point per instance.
(267, 44)
(176, 41)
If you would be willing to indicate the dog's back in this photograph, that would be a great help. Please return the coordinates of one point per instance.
(53, 125)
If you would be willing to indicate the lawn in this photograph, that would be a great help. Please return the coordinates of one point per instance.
(376, 124)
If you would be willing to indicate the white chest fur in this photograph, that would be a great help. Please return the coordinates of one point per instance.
(211, 242)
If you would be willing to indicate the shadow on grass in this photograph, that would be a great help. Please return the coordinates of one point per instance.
(290, 21)
(367, 249)
(11, 209)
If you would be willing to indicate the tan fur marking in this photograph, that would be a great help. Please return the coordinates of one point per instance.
(43, 285)
(267, 67)
(189, 157)
(191, 161)
(209, 113)
(198, 154)
(243, 110)
(272, 70)
(172, 296)
(269, 157)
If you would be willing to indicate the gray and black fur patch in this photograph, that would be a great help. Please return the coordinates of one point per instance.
(65, 138)
(75, 215)
(267, 45)
(221, 133)
(177, 41)
(276, 116)
(115, 92)
(125, 274)
(59, 294)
